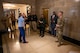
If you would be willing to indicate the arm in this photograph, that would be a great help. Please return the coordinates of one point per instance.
(61, 24)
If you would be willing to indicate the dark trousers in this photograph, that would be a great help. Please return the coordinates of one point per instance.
(13, 23)
(53, 31)
(22, 34)
(42, 31)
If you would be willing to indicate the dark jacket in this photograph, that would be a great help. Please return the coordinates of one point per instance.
(30, 18)
(55, 19)
(35, 18)
(43, 24)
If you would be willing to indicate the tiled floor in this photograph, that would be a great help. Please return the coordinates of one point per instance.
(37, 44)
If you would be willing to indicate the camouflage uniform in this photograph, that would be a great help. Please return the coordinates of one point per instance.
(59, 30)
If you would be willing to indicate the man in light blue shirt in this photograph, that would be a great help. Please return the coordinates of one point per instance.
(21, 25)
(21, 21)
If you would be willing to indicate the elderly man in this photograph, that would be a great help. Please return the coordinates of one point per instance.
(59, 27)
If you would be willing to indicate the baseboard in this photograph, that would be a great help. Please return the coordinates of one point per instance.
(1, 47)
(71, 40)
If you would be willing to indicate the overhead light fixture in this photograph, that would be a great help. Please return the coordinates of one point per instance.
(9, 5)
(77, 0)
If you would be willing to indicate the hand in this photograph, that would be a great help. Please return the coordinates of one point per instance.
(57, 25)
(40, 21)
(26, 18)
(54, 21)
(55, 29)
(24, 22)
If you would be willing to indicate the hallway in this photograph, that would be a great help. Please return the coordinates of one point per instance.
(37, 44)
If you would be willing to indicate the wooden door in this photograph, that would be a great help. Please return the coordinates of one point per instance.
(45, 13)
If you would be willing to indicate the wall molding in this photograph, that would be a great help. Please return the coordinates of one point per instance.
(71, 40)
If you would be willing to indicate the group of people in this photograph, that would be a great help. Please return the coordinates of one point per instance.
(32, 19)
(10, 21)
(57, 23)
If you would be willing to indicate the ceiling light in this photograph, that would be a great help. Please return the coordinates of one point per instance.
(77, 0)
(9, 5)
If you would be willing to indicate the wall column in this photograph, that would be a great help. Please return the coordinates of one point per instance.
(2, 27)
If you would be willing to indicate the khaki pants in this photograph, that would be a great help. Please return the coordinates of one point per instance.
(59, 36)
(34, 25)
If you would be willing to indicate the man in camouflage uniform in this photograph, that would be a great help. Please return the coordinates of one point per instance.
(59, 27)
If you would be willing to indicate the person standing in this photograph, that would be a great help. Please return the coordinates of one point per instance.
(30, 19)
(54, 18)
(34, 22)
(42, 25)
(25, 19)
(59, 27)
(21, 24)
(13, 21)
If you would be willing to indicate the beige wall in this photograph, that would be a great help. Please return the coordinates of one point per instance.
(1, 16)
(71, 10)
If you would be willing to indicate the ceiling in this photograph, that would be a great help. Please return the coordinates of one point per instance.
(10, 4)
(13, 6)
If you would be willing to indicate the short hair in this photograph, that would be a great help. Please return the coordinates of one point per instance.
(54, 12)
(61, 12)
(20, 14)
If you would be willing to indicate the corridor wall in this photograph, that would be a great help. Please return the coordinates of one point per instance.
(71, 9)
(2, 27)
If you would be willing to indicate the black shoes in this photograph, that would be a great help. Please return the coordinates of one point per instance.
(59, 45)
(20, 41)
(41, 36)
(25, 42)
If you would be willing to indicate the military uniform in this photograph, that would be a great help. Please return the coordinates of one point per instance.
(59, 29)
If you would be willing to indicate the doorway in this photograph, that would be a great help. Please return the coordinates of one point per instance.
(45, 13)
(15, 9)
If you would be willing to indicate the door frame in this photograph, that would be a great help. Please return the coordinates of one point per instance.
(47, 14)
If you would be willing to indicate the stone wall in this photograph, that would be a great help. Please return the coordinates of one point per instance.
(71, 10)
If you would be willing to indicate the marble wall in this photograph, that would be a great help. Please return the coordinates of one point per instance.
(71, 9)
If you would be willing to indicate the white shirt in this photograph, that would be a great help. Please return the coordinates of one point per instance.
(53, 16)
(21, 22)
